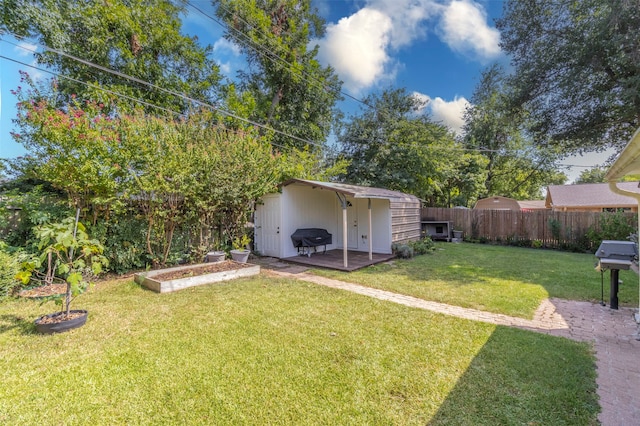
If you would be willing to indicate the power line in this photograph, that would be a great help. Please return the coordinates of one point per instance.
(168, 91)
(118, 94)
(204, 104)
(143, 102)
(259, 49)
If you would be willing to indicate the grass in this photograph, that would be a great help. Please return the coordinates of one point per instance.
(506, 280)
(275, 351)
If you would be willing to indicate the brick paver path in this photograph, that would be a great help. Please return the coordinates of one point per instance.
(613, 334)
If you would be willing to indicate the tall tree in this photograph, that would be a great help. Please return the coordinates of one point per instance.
(292, 92)
(593, 175)
(390, 144)
(576, 68)
(139, 38)
(516, 166)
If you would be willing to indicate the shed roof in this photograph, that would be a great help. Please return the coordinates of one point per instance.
(357, 191)
(497, 202)
(532, 204)
(590, 195)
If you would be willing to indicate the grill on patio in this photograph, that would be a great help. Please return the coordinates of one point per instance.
(615, 255)
(307, 238)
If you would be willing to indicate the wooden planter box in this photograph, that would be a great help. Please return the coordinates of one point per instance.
(235, 270)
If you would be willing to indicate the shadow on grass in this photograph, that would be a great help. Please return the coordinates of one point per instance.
(509, 383)
(12, 322)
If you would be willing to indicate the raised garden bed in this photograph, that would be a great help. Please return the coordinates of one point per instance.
(172, 279)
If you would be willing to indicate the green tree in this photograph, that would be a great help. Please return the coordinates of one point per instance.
(576, 69)
(291, 91)
(516, 166)
(593, 175)
(140, 38)
(391, 145)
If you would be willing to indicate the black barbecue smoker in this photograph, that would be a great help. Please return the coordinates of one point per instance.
(614, 256)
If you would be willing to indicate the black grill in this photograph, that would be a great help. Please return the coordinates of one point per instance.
(307, 238)
(615, 255)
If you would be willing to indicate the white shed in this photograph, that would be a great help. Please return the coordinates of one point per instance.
(359, 218)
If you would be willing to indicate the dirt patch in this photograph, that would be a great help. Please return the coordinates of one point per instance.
(44, 291)
(227, 265)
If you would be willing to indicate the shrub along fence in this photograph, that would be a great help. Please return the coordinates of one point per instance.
(580, 231)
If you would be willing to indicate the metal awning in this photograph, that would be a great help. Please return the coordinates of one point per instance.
(628, 162)
(357, 191)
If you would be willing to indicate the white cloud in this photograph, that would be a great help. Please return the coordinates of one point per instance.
(449, 113)
(407, 17)
(357, 48)
(361, 47)
(464, 28)
(224, 45)
(25, 49)
(225, 68)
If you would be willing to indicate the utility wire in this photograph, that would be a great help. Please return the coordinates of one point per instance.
(267, 53)
(118, 94)
(143, 102)
(168, 91)
(204, 104)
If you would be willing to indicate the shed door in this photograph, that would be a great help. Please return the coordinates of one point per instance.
(269, 226)
(352, 224)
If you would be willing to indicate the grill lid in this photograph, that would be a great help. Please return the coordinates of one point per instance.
(310, 237)
(622, 250)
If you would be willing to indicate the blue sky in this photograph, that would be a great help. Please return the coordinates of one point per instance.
(434, 48)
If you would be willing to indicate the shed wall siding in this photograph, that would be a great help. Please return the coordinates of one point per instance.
(405, 221)
(306, 208)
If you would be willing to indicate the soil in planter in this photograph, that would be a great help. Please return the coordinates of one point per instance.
(60, 317)
(227, 265)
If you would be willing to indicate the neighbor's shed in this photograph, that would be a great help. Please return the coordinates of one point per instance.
(359, 218)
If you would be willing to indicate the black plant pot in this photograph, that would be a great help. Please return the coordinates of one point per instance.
(61, 326)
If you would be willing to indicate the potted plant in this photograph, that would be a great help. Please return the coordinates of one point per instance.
(216, 254)
(67, 256)
(240, 253)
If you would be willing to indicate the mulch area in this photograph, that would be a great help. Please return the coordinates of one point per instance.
(227, 265)
(44, 291)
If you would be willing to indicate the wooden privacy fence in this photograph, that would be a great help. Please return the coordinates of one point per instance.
(551, 229)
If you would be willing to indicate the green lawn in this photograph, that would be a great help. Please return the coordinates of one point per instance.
(276, 351)
(506, 280)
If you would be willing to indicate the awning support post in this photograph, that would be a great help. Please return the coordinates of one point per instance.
(370, 236)
(343, 202)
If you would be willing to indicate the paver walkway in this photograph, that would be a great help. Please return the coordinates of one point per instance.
(613, 334)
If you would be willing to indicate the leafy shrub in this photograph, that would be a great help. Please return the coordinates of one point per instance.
(536, 244)
(123, 242)
(21, 212)
(422, 246)
(8, 270)
(403, 251)
(613, 226)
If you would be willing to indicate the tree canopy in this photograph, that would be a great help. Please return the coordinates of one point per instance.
(290, 90)
(391, 145)
(516, 166)
(576, 69)
(139, 38)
